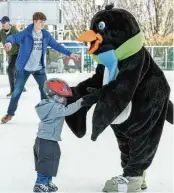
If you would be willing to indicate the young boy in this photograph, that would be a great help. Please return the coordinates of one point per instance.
(52, 112)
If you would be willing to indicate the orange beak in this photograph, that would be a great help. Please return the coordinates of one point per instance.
(93, 38)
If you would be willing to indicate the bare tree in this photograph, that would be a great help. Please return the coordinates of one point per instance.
(78, 14)
(155, 18)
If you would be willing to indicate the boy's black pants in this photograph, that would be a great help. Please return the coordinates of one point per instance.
(46, 155)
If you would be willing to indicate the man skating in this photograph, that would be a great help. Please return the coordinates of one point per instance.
(33, 42)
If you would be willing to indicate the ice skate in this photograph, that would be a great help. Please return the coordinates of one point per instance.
(40, 188)
(6, 118)
(52, 187)
(9, 95)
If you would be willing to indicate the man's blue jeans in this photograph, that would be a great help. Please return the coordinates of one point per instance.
(21, 78)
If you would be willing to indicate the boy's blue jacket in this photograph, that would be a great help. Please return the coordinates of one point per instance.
(52, 116)
(25, 39)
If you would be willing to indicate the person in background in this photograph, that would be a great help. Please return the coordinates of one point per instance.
(5, 32)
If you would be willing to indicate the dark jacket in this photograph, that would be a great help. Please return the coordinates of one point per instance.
(3, 37)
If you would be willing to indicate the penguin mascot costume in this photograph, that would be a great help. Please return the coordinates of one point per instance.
(131, 95)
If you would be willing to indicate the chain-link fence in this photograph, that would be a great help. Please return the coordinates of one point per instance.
(58, 63)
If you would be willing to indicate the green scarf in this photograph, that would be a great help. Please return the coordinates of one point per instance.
(128, 48)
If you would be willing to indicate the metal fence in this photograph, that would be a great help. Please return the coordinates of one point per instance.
(3, 61)
(58, 63)
(163, 56)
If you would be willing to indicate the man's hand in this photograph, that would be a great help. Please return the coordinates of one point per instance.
(75, 57)
(7, 46)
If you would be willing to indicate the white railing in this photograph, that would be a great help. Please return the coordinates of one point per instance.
(163, 56)
(3, 61)
(57, 63)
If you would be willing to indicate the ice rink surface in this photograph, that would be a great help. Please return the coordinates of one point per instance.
(84, 165)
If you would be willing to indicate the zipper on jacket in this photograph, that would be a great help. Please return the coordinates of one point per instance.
(30, 51)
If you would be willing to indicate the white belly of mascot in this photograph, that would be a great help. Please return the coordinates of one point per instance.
(124, 115)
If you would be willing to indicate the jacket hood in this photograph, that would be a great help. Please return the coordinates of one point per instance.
(44, 108)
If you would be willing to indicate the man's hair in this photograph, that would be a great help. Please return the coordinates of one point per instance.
(39, 16)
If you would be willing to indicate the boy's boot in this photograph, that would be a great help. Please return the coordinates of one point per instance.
(40, 188)
(52, 187)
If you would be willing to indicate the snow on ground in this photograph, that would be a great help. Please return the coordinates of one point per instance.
(84, 165)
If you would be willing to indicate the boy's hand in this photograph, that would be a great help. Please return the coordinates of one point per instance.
(75, 57)
(7, 46)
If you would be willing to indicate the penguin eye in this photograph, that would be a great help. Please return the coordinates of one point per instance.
(101, 25)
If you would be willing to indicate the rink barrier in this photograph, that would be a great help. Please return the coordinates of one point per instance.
(58, 63)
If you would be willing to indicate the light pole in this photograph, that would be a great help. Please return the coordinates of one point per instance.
(60, 25)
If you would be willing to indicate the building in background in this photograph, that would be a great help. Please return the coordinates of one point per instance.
(20, 12)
